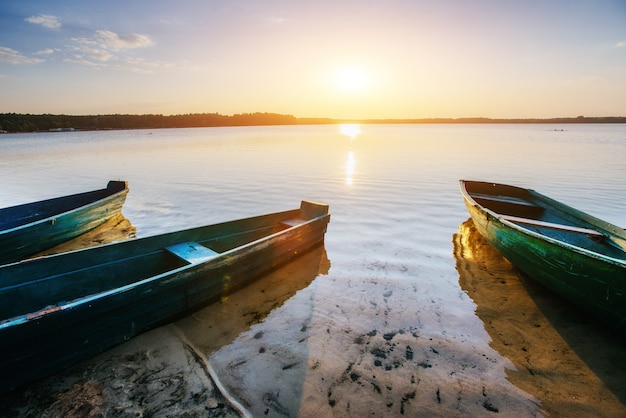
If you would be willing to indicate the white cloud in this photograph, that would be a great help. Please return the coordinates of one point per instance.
(113, 41)
(96, 53)
(14, 57)
(123, 65)
(47, 21)
(105, 50)
(621, 44)
(81, 61)
(100, 46)
(46, 51)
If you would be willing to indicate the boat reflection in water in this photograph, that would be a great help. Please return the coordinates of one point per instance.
(561, 356)
(220, 323)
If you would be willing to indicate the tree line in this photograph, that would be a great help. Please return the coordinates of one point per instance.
(15, 122)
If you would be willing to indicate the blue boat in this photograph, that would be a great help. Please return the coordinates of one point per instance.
(60, 309)
(30, 228)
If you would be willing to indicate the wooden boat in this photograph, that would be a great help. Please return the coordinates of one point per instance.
(63, 308)
(578, 256)
(33, 227)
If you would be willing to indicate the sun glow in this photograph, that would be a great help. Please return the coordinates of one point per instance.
(352, 79)
(350, 130)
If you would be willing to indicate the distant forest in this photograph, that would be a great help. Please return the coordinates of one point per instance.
(14, 122)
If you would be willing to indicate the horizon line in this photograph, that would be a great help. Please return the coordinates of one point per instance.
(324, 118)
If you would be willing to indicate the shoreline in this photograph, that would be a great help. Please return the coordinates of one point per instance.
(252, 351)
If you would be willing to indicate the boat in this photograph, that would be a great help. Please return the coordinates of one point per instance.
(60, 309)
(576, 255)
(30, 228)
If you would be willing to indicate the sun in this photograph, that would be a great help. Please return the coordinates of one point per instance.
(353, 79)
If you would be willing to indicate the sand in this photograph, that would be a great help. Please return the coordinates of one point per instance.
(319, 354)
(277, 348)
(155, 374)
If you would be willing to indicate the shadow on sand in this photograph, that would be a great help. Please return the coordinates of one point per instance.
(573, 364)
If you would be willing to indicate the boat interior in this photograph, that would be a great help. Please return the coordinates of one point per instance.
(520, 207)
(41, 293)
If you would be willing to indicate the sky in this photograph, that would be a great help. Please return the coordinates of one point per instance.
(342, 59)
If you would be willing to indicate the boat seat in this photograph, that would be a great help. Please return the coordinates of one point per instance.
(294, 222)
(592, 233)
(192, 252)
(503, 199)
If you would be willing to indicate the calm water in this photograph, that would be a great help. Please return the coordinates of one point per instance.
(395, 205)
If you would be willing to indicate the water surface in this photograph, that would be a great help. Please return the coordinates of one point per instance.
(388, 326)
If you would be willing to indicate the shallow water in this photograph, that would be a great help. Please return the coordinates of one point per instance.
(393, 280)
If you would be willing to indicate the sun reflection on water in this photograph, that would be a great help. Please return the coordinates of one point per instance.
(350, 163)
(351, 130)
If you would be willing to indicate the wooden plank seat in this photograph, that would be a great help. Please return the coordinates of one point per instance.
(192, 252)
(542, 224)
(294, 222)
(503, 199)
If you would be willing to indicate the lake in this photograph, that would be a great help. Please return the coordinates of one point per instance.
(390, 317)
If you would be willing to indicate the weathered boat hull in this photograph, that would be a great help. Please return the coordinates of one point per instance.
(149, 286)
(588, 270)
(28, 229)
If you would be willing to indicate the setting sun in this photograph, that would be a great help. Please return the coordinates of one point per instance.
(353, 79)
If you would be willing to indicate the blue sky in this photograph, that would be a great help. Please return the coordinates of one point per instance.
(341, 59)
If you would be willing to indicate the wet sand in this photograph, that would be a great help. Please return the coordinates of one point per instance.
(155, 374)
(311, 358)
(278, 348)
(574, 365)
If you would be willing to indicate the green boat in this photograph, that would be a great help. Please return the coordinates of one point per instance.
(30, 228)
(60, 309)
(578, 256)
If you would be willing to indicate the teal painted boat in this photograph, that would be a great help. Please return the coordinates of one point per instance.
(60, 309)
(578, 256)
(27, 229)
